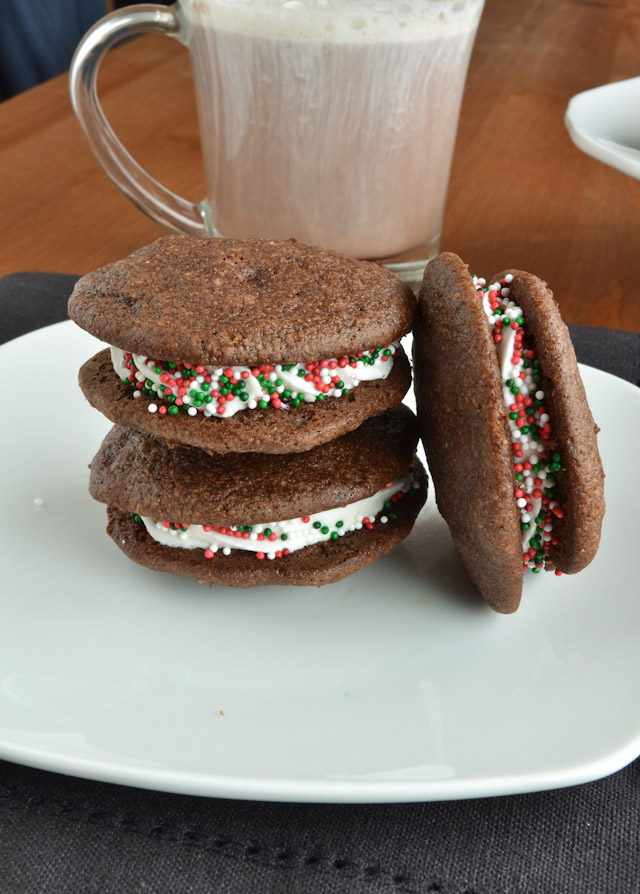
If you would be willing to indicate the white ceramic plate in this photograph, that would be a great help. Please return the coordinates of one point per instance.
(605, 123)
(397, 684)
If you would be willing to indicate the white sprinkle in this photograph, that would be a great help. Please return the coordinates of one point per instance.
(504, 293)
(192, 411)
(137, 394)
(152, 408)
(539, 395)
(521, 502)
(509, 277)
(253, 536)
(271, 555)
(384, 519)
(252, 404)
(226, 551)
(38, 501)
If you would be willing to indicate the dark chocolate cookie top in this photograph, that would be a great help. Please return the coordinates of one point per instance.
(222, 301)
(139, 473)
(464, 428)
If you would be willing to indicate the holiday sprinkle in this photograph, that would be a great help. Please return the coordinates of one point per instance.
(535, 462)
(276, 540)
(213, 391)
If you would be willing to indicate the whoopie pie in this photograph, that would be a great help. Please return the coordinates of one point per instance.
(311, 517)
(230, 346)
(508, 434)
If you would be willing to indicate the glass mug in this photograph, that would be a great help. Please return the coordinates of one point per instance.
(331, 121)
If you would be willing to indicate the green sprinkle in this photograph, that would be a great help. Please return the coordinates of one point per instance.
(173, 410)
(339, 524)
(334, 535)
(324, 529)
(316, 524)
(284, 537)
(263, 404)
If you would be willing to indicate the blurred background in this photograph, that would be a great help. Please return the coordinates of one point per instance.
(38, 38)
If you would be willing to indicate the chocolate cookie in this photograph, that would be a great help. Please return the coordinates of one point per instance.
(261, 430)
(250, 345)
(509, 437)
(308, 518)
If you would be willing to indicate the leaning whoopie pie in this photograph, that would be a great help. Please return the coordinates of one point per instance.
(504, 419)
(241, 519)
(230, 346)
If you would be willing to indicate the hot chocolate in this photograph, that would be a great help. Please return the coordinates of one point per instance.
(331, 124)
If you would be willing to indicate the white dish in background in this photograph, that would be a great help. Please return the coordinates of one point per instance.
(605, 123)
(397, 684)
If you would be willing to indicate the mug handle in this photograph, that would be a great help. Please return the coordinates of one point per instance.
(161, 204)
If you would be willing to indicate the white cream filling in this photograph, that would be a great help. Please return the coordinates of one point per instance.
(291, 534)
(348, 376)
(531, 449)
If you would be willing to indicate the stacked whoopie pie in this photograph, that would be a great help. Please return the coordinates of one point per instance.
(507, 430)
(255, 389)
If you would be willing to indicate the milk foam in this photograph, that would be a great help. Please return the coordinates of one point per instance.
(353, 21)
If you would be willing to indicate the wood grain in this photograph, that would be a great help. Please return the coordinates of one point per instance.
(521, 194)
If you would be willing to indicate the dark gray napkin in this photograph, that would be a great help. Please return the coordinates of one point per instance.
(62, 834)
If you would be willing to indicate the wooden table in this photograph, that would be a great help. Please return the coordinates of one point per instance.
(521, 195)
